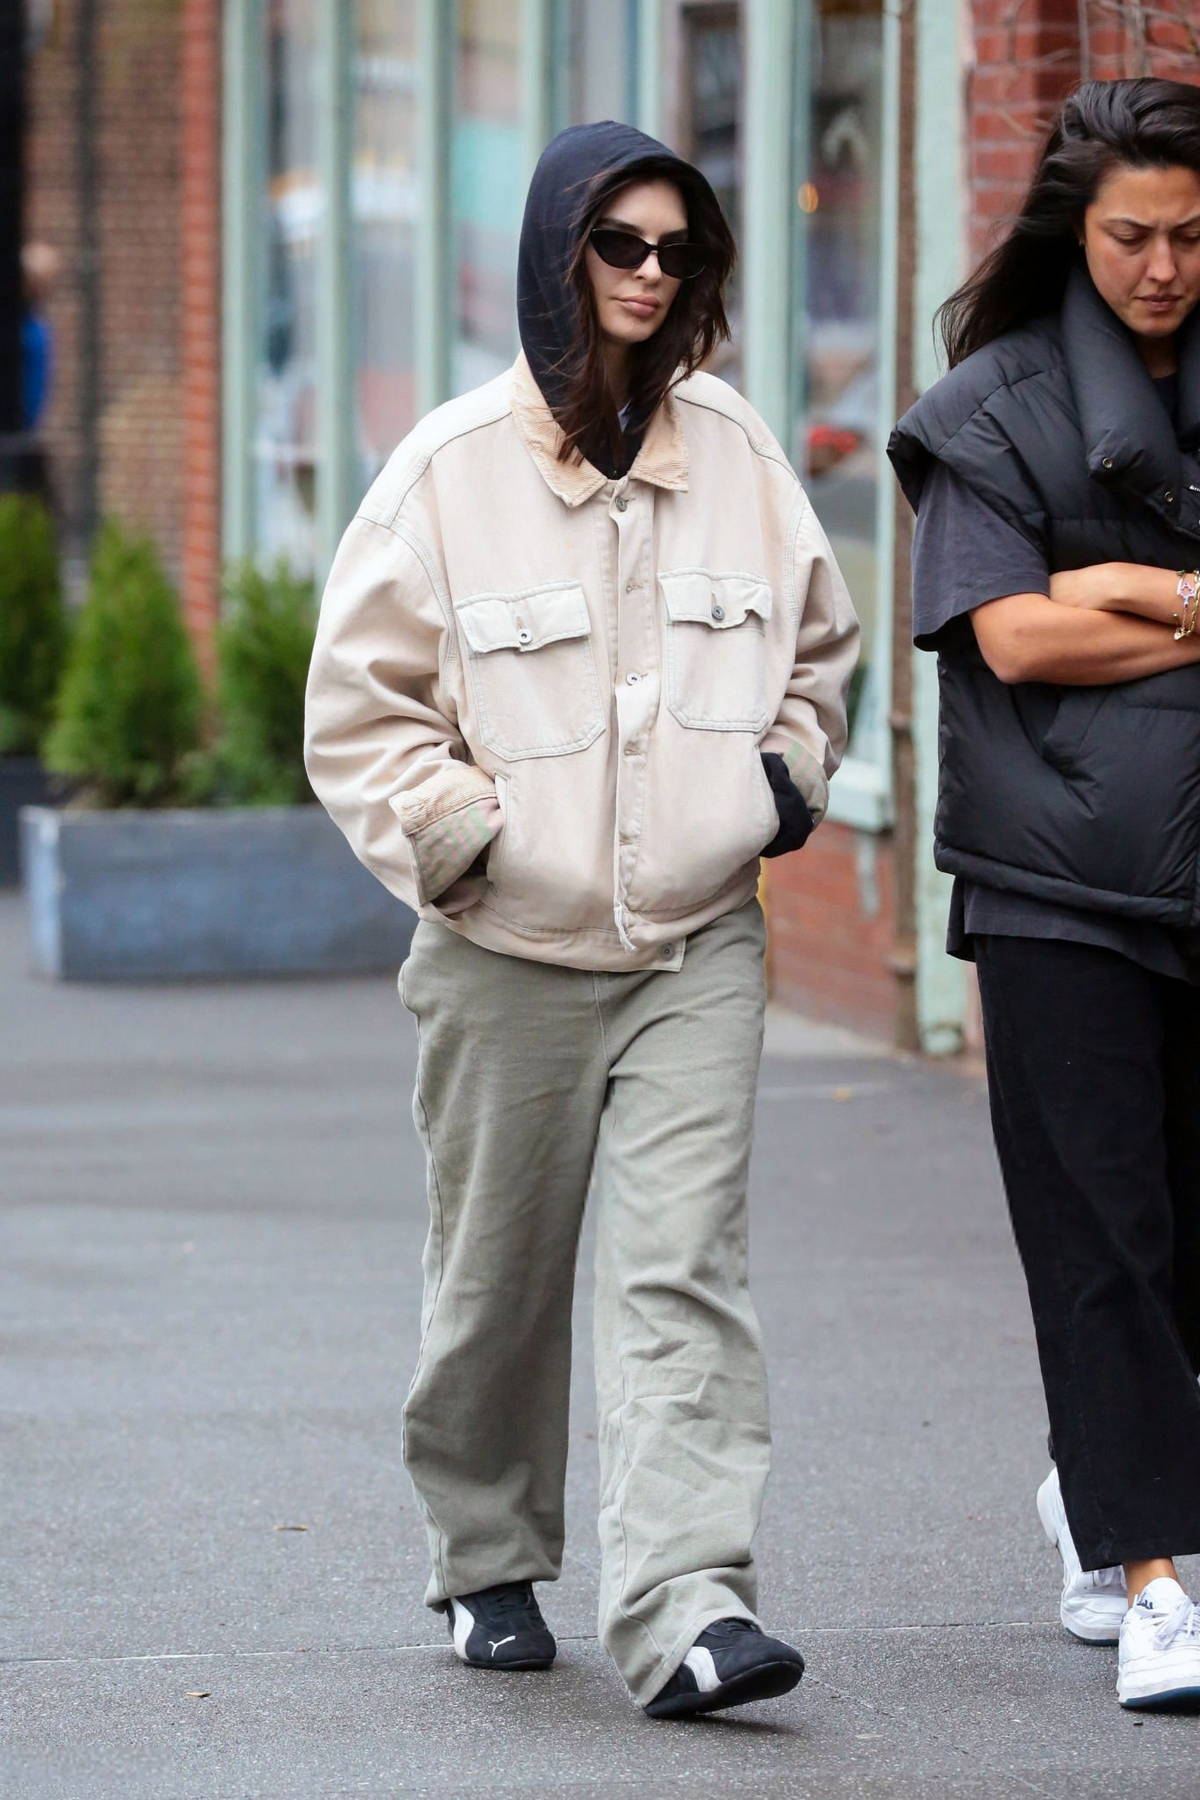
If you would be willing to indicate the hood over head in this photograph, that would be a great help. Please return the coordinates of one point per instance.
(550, 231)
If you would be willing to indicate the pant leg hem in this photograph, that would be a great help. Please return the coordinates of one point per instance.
(439, 1595)
(1111, 1552)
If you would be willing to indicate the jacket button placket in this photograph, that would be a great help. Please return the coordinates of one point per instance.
(637, 675)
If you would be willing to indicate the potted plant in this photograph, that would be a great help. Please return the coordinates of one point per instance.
(33, 636)
(179, 857)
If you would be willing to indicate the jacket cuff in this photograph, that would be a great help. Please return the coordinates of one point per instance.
(804, 771)
(447, 826)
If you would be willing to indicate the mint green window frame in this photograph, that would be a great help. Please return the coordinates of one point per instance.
(941, 237)
(776, 88)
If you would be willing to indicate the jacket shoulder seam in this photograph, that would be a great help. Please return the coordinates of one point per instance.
(448, 651)
(765, 451)
(388, 515)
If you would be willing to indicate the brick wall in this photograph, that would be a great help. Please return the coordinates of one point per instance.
(134, 87)
(831, 929)
(52, 217)
(200, 315)
(1027, 55)
(140, 422)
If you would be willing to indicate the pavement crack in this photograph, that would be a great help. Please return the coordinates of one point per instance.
(167, 1656)
(808, 1632)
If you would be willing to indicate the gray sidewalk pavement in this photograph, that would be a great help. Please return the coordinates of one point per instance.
(213, 1213)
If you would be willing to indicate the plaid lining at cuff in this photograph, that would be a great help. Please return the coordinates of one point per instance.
(808, 775)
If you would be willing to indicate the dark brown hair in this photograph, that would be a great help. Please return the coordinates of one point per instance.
(695, 323)
(1139, 124)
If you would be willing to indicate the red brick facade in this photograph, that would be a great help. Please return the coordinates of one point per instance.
(132, 81)
(52, 211)
(200, 313)
(831, 913)
(1026, 55)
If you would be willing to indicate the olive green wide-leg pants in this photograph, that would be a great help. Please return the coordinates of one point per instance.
(527, 1074)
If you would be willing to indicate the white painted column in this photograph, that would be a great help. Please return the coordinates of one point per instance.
(767, 201)
(335, 353)
(433, 300)
(941, 263)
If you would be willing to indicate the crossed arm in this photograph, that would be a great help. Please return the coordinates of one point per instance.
(1101, 624)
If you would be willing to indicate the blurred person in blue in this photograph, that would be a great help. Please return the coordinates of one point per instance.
(39, 272)
(582, 660)
(1055, 476)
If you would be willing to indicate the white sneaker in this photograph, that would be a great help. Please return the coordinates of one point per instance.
(1158, 1663)
(1094, 1601)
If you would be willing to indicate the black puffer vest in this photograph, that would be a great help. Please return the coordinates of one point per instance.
(1086, 795)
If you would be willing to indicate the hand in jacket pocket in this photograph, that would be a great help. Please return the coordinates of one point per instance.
(795, 820)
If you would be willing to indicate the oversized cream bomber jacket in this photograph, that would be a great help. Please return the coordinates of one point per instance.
(575, 675)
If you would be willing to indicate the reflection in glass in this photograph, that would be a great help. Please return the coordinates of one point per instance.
(591, 65)
(487, 188)
(837, 246)
(710, 132)
(285, 455)
(383, 211)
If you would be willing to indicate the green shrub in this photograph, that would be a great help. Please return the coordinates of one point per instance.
(33, 623)
(128, 714)
(264, 644)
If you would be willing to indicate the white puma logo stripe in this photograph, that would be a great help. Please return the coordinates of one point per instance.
(700, 1662)
(500, 1642)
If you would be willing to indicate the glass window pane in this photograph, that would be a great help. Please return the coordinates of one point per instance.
(487, 188)
(384, 203)
(837, 244)
(711, 127)
(285, 435)
(591, 65)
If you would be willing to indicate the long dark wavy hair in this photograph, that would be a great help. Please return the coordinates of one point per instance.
(1140, 124)
(695, 324)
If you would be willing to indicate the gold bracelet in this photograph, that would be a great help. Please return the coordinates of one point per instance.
(1188, 593)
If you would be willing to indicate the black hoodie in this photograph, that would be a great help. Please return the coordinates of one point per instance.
(550, 233)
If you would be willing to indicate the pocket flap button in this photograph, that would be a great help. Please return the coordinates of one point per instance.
(718, 612)
(524, 635)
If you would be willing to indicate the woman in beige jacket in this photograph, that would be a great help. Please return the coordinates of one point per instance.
(582, 660)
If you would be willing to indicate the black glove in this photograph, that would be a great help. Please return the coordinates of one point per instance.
(795, 820)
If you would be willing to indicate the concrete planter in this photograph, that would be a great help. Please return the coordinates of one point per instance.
(125, 896)
(23, 782)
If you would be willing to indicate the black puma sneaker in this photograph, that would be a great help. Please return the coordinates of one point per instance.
(501, 1628)
(730, 1663)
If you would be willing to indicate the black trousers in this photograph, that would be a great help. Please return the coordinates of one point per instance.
(1094, 1078)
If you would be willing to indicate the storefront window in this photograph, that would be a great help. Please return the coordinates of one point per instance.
(836, 276)
(592, 62)
(384, 201)
(487, 188)
(710, 131)
(285, 455)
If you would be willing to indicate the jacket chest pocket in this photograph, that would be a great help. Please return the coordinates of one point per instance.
(716, 653)
(531, 670)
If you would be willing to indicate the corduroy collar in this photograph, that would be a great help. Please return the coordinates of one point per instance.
(662, 459)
